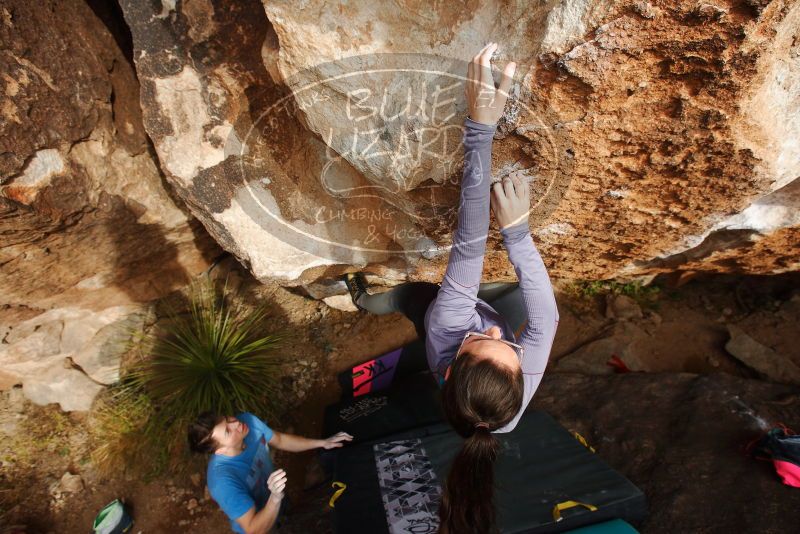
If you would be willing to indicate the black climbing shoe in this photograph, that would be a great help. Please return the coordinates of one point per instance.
(357, 286)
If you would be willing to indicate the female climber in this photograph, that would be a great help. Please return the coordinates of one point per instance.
(487, 375)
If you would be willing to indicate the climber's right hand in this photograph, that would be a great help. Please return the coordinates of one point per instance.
(485, 102)
(511, 200)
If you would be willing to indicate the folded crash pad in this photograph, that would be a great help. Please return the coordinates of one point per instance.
(381, 372)
(393, 484)
(413, 402)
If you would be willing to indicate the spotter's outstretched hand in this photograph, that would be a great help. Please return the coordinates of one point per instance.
(337, 440)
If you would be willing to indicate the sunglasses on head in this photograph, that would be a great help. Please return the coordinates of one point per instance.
(517, 348)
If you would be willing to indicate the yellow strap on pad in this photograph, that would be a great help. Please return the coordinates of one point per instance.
(583, 441)
(566, 505)
(338, 493)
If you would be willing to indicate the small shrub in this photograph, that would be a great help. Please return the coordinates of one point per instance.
(119, 420)
(645, 296)
(586, 292)
(216, 357)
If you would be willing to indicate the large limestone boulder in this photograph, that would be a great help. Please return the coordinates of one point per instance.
(657, 136)
(88, 232)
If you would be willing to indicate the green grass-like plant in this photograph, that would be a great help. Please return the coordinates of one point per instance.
(587, 291)
(118, 420)
(43, 432)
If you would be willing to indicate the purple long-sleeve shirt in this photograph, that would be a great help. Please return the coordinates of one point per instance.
(457, 308)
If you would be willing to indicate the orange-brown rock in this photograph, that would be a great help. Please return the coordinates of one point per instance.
(657, 136)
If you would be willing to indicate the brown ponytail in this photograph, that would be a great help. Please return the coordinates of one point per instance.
(479, 396)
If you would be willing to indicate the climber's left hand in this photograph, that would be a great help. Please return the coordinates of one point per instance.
(485, 101)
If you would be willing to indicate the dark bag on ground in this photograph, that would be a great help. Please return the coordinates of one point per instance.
(382, 372)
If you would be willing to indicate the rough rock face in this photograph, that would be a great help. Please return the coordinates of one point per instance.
(88, 232)
(657, 135)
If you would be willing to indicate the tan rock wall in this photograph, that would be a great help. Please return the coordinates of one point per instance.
(658, 136)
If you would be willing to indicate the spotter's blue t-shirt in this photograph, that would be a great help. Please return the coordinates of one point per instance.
(237, 483)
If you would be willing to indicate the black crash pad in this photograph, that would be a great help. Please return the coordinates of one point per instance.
(541, 464)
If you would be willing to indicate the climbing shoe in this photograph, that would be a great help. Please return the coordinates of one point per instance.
(357, 286)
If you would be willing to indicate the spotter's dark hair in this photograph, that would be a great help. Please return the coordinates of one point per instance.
(199, 432)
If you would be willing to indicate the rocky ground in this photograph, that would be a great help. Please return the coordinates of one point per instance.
(676, 428)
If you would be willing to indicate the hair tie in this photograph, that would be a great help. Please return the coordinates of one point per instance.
(481, 424)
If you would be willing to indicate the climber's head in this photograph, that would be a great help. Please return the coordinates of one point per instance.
(491, 346)
(484, 382)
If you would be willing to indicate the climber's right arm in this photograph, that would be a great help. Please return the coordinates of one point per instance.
(511, 205)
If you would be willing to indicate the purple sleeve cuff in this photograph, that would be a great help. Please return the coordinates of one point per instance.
(512, 234)
(469, 123)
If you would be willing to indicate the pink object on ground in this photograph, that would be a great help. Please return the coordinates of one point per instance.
(789, 472)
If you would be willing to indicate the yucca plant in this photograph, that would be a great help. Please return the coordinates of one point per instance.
(216, 357)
